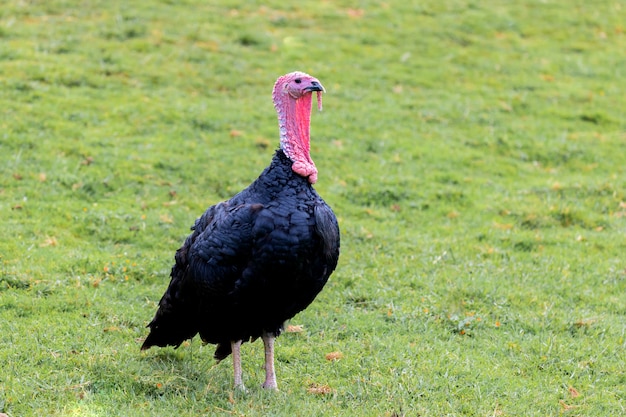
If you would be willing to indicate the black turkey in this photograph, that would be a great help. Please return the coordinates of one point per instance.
(258, 259)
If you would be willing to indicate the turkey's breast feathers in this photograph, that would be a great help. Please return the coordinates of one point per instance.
(254, 261)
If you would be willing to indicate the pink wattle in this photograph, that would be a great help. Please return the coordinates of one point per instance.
(294, 119)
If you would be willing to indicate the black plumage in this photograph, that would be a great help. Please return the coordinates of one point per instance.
(251, 262)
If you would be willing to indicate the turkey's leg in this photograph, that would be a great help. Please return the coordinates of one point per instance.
(270, 374)
(235, 347)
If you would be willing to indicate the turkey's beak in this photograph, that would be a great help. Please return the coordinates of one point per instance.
(315, 86)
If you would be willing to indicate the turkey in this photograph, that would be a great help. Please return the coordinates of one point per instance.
(258, 259)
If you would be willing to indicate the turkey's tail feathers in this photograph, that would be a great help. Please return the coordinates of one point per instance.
(168, 330)
(173, 323)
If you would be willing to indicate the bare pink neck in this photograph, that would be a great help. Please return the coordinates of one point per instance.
(294, 122)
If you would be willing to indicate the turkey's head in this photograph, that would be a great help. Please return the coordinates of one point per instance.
(292, 99)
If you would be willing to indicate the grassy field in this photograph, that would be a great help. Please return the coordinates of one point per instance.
(474, 152)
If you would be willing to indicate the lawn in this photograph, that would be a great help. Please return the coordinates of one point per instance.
(474, 152)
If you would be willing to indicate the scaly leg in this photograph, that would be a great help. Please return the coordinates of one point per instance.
(235, 347)
(270, 374)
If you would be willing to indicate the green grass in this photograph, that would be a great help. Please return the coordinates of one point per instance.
(474, 153)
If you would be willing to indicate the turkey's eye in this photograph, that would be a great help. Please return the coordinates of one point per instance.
(297, 81)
